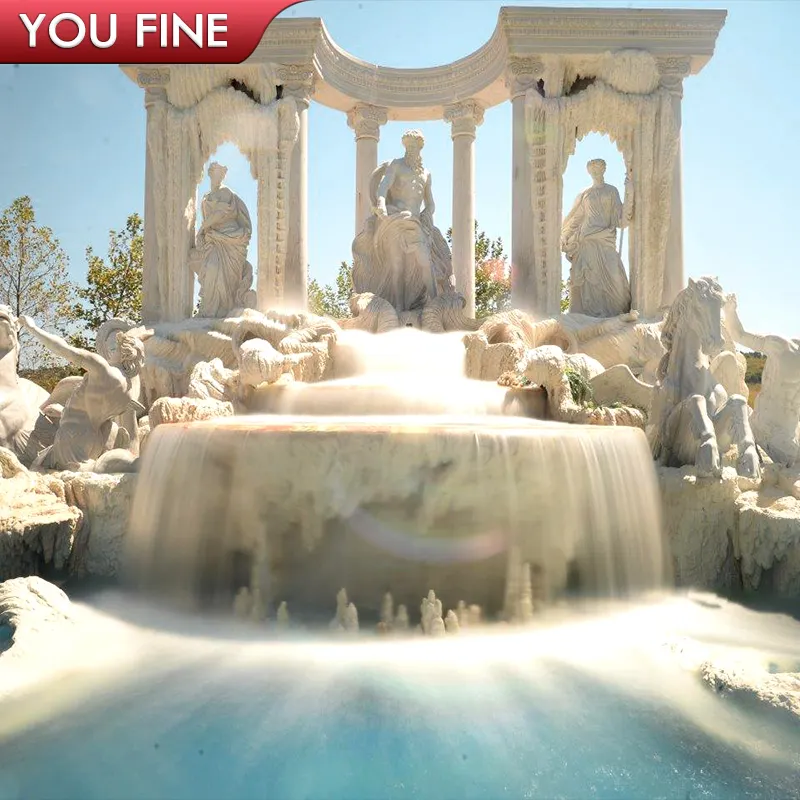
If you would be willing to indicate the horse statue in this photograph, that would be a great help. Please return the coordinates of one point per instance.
(693, 420)
(20, 399)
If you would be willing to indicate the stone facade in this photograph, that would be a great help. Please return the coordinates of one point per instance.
(631, 65)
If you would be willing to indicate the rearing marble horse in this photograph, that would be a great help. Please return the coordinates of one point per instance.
(20, 398)
(693, 420)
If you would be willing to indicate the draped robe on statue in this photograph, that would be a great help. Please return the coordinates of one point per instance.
(599, 286)
(401, 258)
(220, 255)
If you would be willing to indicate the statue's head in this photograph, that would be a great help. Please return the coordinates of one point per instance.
(698, 308)
(9, 339)
(413, 141)
(129, 353)
(596, 168)
(217, 173)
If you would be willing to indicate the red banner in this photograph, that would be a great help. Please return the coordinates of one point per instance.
(133, 31)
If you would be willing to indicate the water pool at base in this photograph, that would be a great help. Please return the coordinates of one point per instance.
(565, 712)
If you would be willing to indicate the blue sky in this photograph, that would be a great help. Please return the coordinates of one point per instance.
(74, 141)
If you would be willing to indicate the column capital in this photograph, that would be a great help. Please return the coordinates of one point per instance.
(672, 70)
(297, 80)
(464, 117)
(522, 74)
(366, 120)
(152, 78)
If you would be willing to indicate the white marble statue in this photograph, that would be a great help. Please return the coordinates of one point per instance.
(598, 285)
(107, 391)
(400, 255)
(776, 418)
(20, 399)
(693, 420)
(219, 257)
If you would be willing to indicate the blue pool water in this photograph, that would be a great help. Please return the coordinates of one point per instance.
(240, 724)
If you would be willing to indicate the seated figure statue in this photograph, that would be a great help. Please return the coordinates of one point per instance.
(598, 285)
(87, 430)
(400, 255)
(219, 257)
(776, 417)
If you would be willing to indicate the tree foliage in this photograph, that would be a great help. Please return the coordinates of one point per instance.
(33, 276)
(114, 284)
(332, 301)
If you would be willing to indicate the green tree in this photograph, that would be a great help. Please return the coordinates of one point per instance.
(114, 284)
(332, 301)
(564, 297)
(492, 274)
(33, 277)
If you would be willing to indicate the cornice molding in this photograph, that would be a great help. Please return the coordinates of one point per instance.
(339, 80)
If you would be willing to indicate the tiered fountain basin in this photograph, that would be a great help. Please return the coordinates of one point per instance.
(300, 506)
(391, 394)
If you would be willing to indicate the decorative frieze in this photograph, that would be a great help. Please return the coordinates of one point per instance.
(464, 117)
(366, 120)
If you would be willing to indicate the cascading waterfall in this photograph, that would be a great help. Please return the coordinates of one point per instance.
(294, 506)
(134, 698)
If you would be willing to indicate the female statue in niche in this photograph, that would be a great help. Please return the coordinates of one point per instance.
(598, 285)
(219, 257)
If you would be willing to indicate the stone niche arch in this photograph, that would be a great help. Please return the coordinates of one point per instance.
(576, 179)
(188, 118)
(240, 179)
(636, 113)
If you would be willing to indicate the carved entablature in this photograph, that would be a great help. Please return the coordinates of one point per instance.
(298, 81)
(522, 74)
(366, 120)
(464, 117)
(672, 70)
(544, 49)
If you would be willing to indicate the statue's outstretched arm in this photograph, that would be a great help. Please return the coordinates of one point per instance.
(769, 344)
(55, 344)
(736, 329)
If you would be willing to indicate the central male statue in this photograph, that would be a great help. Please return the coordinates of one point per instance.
(400, 255)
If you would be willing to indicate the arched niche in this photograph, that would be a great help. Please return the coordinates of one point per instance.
(643, 128)
(576, 179)
(240, 179)
(180, 143)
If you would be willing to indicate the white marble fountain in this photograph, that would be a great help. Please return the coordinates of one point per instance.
(420, 471)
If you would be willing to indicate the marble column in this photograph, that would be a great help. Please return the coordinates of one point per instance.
(673, 71)
(366, 121)
(155, 103)
(521, 75)
(298, 82)
(464, 119)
